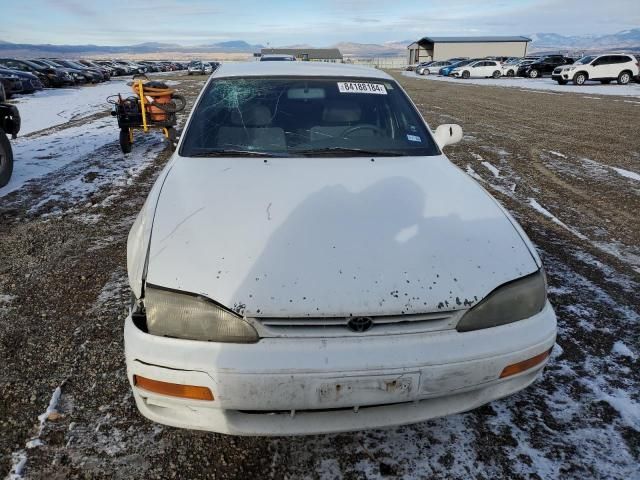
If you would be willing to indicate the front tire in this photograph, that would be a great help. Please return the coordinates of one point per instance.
(6, 159)
(534, 73)
(466, 74)
(579, 78)
(511, 73)
(624, 78)
(125, 140)
(496, 74)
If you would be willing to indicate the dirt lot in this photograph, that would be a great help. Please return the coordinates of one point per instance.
(562, 164)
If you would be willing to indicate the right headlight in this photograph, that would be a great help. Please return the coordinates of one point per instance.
(180, 315)
(513, 301)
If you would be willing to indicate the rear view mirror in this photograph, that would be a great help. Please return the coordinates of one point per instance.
(448, 134)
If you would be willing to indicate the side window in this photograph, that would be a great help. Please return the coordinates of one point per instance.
(602, 61)
(491, 64)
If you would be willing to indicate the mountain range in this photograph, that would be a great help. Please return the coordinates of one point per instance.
(624, 40)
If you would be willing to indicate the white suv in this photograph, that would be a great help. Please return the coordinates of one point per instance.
(481, 68)
(605, 68)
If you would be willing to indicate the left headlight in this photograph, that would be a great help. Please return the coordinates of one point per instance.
(180, 315)
(513, 301)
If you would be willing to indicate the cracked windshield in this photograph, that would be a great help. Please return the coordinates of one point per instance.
(281, 117)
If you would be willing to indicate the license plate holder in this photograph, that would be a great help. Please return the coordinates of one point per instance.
(368, 390)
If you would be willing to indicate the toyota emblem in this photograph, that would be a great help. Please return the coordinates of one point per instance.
(360, 324)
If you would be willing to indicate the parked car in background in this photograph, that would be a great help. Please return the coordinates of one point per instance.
(11, 84)
(118, 70)
(356, 339)
(196, 67)
(432, 67)
(273, 57)
(79, 77)
(94, 75)
(457, 59)
(478, 69)
(106, 71)
(132, 67)
(30, 82)
(48, 76)
(543, 66)
(510, 67)
(604, 68)
(446, 71)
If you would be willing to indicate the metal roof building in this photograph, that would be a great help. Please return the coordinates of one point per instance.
(307, 54)
(443, 48)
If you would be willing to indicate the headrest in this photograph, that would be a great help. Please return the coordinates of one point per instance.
(252, 116)
(341, 112)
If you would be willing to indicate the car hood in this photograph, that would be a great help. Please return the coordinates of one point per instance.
(331, 236)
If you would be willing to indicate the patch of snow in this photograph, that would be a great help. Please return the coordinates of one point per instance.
(557, 154)
(38, 156)
(619, 348)
(18, 461)
(536, 206)
(627, 173)
(471, 172)
(491, 168)
(53, 403)
(55, 106)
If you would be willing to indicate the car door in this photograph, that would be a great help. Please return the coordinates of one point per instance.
(477, 70)
(600, 68)
(489, 68)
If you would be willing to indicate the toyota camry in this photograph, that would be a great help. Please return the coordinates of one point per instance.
(309, 261)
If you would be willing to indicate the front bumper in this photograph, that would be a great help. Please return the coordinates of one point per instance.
(560, 76)
(285, 386)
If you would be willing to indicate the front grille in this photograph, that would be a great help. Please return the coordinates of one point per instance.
(557, 70)
(339, 326)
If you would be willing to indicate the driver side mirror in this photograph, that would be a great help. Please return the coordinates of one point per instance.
(448, 134)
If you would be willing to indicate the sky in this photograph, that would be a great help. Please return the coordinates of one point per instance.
(291, 22)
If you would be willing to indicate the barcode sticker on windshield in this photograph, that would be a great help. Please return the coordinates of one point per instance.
(356, 87)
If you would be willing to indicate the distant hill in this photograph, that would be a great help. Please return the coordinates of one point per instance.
(235, 46)
(626, 39)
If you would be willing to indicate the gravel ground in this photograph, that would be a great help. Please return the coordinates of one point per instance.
(566, 177)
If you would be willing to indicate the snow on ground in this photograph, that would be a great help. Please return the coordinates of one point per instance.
(38, 156)
(545, 84)
(55, 106)
(627, 173)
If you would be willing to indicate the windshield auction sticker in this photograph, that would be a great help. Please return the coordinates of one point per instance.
(356, 87)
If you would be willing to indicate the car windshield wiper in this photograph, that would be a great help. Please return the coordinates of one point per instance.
(234, 153)
(356, 152)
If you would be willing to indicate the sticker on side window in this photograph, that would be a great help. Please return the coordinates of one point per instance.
(357, 87)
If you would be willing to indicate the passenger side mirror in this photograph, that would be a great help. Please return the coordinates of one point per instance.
(448, 134)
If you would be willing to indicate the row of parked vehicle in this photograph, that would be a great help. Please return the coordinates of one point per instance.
(604, 68)
(198, 67)
(30, 75)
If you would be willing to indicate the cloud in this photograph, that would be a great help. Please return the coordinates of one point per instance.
(364, 20)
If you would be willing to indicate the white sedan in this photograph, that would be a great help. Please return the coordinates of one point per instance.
(479, 69)
(309, 261)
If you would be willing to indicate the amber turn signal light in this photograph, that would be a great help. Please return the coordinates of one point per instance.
(525, 364)
(192, 392)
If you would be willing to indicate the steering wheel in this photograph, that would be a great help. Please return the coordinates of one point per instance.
(357, 128)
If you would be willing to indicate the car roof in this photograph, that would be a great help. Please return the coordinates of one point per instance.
(301, 69)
